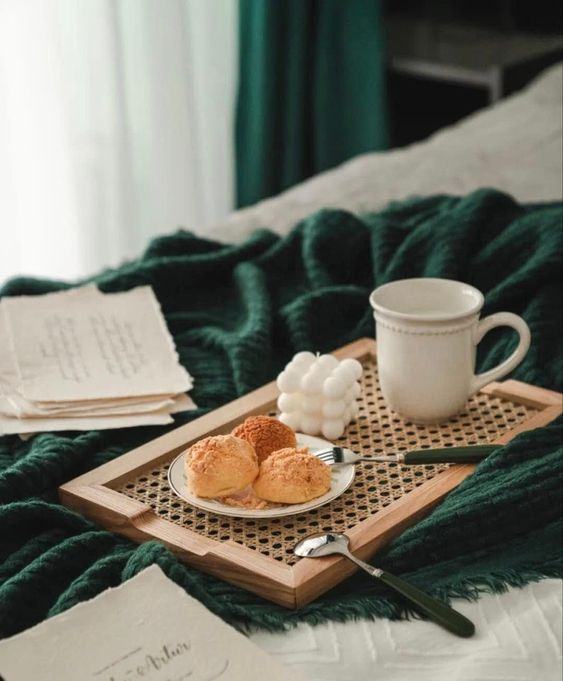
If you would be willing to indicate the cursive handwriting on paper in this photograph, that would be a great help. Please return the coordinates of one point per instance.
(61, 344)
(154, 662)
(118, 343)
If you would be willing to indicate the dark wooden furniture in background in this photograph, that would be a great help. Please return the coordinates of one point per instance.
(447, 60)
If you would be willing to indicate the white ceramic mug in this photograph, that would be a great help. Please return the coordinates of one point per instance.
(427, 334)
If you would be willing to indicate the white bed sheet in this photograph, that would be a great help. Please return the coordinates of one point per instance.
(518, 638)
(515, 146)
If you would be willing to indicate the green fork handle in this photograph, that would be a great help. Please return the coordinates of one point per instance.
(469, 454)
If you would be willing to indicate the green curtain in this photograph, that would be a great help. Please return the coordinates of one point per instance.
(311, 90)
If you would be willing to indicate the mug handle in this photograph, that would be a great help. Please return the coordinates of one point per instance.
(491, 322)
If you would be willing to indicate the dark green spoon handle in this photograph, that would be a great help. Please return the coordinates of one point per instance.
(441, 613)
(469, 454)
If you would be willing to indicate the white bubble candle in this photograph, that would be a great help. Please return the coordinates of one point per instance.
(319, 394)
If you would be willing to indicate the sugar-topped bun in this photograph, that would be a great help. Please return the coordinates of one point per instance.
(292, 476)
(266, 434)
(220, 465)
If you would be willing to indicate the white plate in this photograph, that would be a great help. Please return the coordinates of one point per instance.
(342, 478)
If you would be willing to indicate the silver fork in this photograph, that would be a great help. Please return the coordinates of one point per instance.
(335, 456)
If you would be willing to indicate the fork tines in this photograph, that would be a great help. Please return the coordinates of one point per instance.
(332, 455)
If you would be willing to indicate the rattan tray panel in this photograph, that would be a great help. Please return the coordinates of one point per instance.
(377, 430)
(130, 494)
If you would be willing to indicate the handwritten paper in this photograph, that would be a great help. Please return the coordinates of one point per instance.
(147, 629)
(82, 360)
(114, 345)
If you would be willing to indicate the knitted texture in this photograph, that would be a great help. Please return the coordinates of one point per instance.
(237, 314)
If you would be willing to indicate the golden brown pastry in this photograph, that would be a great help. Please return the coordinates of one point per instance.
(292, 476)
(220, 465)
(266, 434)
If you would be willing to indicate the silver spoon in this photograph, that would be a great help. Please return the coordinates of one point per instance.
(318, 545)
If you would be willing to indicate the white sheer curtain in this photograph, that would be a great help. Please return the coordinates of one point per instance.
(116, 124)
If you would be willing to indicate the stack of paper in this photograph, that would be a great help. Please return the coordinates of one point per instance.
(84, 360)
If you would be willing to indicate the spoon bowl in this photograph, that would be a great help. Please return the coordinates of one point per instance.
(321, 544)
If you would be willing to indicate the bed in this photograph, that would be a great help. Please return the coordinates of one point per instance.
(514, 146)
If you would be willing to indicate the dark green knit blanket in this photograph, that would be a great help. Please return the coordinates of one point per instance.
(237, 314)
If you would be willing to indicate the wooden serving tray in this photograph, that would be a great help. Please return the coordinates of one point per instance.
(131, 496)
